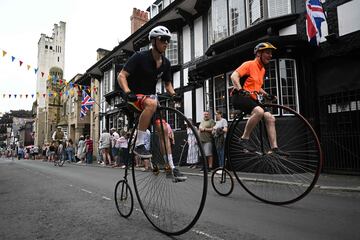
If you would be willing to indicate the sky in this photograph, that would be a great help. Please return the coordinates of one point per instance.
(90, 24)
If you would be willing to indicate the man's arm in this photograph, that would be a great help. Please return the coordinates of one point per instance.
(235, 78)
(122, 80)
(169, 88)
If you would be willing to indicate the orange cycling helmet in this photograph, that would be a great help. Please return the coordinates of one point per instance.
(263, 46)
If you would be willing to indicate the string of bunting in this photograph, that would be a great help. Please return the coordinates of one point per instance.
(55, 80)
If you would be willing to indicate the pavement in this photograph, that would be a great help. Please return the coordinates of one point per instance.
(330, 182)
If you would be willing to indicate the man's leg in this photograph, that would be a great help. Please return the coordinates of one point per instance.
(150, 106)
(256, 114)
(165, 145)
(270, 128)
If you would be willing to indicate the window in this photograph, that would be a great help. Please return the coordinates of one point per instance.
(284, 85)
(219, 26)
(230, 87)
(279, 7)
(227, 17)
(172, 118)
(72, 106)
(172, 50)
(236, 16)
(108, 81)
(256, 11)
(63, 110)
(270, 81)
(220, 93)
(288, 83)
(208, 96)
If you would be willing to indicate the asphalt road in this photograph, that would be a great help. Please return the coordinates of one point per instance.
(40, 201)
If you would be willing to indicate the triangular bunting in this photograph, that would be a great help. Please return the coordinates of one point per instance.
(4, 53)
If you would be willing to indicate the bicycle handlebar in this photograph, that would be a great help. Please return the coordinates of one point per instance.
(259, 96)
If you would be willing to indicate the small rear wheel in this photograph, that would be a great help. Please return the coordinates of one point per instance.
(124, 200)
(222, 181)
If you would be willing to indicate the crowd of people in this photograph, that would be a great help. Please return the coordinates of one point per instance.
(212, 138)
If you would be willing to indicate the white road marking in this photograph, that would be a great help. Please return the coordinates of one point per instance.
(106, 198)
(84, 190)
(206, 234)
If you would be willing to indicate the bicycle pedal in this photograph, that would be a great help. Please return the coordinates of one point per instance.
(167, 168)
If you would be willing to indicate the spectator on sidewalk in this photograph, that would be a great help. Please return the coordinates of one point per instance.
(219, 133)
(114, 150)
(51, 153)
(89, 149)
(105, 145)
(80, 153)
(70, 150)
(205, 128)
(35, 152)
(146, 161)
(20, 152)
(193, 148)
(122, 144)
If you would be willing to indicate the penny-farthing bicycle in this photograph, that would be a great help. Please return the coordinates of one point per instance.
(171, 206)
(266, 175)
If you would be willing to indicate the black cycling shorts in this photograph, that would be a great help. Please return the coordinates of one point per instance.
(244, 103)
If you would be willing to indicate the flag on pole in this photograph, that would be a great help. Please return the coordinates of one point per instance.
(314, 18)
(86, 104)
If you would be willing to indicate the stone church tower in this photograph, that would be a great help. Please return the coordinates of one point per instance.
(51, 62)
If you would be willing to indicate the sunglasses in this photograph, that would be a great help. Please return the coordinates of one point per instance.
(164, 39)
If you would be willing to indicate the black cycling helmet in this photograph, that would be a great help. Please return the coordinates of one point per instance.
(263, 46)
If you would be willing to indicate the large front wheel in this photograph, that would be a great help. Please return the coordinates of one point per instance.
(273, 177)
(172, 205)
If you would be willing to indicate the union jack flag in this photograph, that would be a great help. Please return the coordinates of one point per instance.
(86, 104)
(314, 18)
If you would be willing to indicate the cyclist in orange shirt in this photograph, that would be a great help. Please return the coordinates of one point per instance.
(253, 72)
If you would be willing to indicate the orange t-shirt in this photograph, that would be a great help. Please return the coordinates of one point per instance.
(254, 72)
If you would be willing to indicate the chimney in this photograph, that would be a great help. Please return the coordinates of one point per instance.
(100, 53)
(138, 18)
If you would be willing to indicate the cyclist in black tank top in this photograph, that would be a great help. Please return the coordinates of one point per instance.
(140, 76)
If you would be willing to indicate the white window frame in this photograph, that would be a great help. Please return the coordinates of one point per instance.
(297, 104)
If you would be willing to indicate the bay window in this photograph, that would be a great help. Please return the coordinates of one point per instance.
(227, 17)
